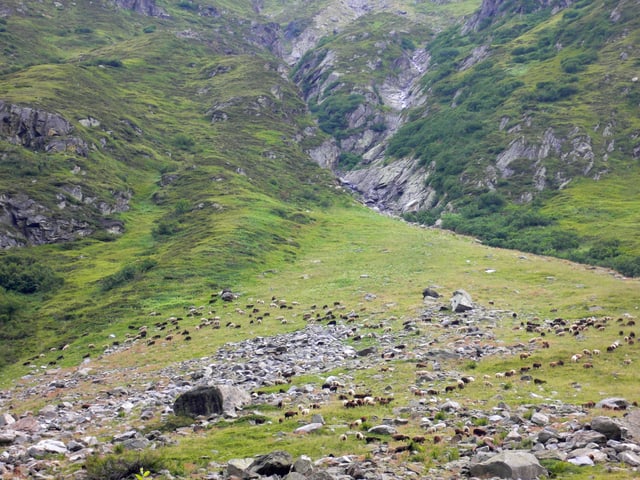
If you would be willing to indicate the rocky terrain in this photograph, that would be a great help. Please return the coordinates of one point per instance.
(98, 409)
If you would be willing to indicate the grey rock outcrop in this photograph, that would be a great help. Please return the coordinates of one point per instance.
(38, 129)
(23, 221)
(274, 463)
(215, 400)
(509, 464)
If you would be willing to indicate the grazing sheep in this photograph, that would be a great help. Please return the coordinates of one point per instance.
(343, 437)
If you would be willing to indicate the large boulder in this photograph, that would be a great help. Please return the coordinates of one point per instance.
(614, 403)
(274, 463)
(509, 464)
(461, 301)
(607, 426)
(211, 400)
(583, 438)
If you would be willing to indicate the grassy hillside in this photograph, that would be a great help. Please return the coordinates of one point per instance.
(378, 267)
(210, 198)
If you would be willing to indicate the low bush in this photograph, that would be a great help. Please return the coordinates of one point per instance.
(124, 466)
(24, 274)
(127, 274)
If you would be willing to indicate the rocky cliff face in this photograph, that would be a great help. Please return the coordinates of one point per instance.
(38, 130)
(370, 125)
(25, 220)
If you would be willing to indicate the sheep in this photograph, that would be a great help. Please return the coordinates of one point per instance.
(290, 414)
(587, 365)
(355, 424)
(343, 437)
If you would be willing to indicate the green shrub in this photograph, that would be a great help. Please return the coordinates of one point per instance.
(127, 274)
(11, 304)
(24, 274)
(122, 467)
(332, 113)
(165, 228)
(183, 142)
(348, 161)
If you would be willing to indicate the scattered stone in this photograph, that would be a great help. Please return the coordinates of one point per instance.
(236, 467)
(630, 458)
(613, 403)
(311, 427)
(583, 438)
(539, 419)
(510, 464)
(430, 292)
(461, 301)
(450, 406)
(7, 437)
(367, 351)
(52, 446)
(607, 426)
(303, 465)
(275, 463)
(383, 430)
(6, 419)
(581, 461)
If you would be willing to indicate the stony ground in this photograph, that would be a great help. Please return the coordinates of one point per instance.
(78, 408)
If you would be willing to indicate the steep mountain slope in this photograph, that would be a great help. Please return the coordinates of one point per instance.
(521, 101)
(196, 139)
